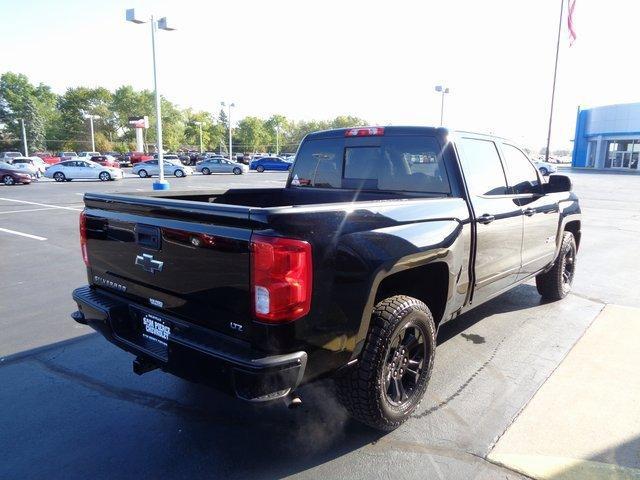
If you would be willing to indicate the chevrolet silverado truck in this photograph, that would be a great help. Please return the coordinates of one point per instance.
(380, 235)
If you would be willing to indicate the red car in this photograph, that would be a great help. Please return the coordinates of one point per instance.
(105, 161)
(47, 157)
(136, 157)
(11, 176)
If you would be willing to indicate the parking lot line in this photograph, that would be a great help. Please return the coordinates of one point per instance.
(27, 210)
(41, 204)
(28, 235)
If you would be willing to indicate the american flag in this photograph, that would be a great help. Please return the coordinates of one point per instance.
(570, 23)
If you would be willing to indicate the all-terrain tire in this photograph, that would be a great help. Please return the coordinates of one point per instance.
(556, 283)
(361, 387)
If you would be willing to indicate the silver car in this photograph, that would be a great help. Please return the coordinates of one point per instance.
(150, 168)
(81, 169)
(220, 165)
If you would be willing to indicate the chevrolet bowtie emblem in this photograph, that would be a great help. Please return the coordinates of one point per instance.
(148, 264)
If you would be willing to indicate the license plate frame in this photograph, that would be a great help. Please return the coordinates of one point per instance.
(155, 332)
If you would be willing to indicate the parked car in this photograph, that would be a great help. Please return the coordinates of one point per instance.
(105, 161)
(48, 157)
(82, 169)
(220, 165)
(9, 175)
(67, 155)
(151, 168)
(8, 156)
(346, 272)
(27, 165)
(269, 163)
(88, 155)
(135, 157)
(546, 168)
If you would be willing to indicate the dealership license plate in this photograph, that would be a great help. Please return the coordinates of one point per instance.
(155, 329)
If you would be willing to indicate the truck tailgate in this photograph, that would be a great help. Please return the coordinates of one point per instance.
(189, 261)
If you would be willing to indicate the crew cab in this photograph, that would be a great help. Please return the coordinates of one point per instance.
(380, 235)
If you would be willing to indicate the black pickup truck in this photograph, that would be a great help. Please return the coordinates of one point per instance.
(380, 236)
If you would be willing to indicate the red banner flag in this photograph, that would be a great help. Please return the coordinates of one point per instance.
(570, 23)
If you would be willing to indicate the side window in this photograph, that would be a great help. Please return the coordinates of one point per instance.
(522, 176)
(482, 167)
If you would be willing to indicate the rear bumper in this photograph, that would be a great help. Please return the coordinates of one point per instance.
(192, 352)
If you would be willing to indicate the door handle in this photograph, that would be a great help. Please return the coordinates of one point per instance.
(485, 219)
(529, 212)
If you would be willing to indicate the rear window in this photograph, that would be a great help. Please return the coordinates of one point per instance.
(408, 163)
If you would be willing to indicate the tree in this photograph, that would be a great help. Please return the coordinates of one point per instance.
(222, 117)
(34, 126)
(252, 134)
(74, 105)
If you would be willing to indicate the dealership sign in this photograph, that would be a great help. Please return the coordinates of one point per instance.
(139, 122)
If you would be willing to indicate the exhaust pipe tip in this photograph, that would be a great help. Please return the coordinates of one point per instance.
(78, 316)
(293, 401)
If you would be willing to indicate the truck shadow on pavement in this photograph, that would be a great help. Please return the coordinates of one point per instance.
(75, 410)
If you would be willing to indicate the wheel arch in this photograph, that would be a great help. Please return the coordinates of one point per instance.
(428, 283)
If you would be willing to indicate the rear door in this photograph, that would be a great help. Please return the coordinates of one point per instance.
(540, 212)
(497, 214)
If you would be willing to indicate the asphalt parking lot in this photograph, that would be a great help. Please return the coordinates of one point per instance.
(72, 407)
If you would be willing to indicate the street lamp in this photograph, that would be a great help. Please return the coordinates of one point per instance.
(200, 125)
(24, 138)
(229, 120)
(443, 91)
(277, 139)
(161, 24)
(93, 140)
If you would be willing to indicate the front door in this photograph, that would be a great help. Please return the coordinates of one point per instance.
(541, 212)
(498, 218)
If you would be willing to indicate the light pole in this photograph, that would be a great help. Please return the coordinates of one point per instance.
(200, 125)
(161, 24)
(229, 120)
(443, 91)
(24, 138)
(93, 140)
(277, 139)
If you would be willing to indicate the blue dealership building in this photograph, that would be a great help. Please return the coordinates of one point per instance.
(608, 137)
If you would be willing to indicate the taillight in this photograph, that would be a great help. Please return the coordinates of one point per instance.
(281, 273)
(364, 132)
(83, 238)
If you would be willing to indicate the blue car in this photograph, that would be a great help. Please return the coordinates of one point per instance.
(269, 163)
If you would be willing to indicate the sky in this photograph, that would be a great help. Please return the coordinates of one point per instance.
(378, 60)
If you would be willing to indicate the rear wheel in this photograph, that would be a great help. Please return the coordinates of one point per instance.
(179, 173)
(143, 174)
(556, 283)
(387, 383)
(104, 176)
(237, 171)
(260, 168)
(206, 171)
(544, 171)
(59, 177)
(8, 180)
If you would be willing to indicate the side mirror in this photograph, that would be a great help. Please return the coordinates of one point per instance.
(557, 183)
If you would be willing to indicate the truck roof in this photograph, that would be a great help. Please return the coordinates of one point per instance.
(394, 130)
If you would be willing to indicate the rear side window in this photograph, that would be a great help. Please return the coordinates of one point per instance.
(522, 175)
(482, 167)
(410, 163)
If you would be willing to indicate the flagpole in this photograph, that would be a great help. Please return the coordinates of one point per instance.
(555, 74)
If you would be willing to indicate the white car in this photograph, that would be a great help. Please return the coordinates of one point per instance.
(545, 168)
(150, 168)
(27, 165)
(88, 155)
(82, 169)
